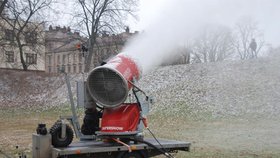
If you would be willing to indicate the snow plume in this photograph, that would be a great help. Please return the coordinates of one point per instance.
(181, 21)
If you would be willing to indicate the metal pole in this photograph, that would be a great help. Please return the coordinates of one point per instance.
(76, 124)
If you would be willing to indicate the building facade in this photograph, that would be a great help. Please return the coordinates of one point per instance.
(62, 53)
(32, 47)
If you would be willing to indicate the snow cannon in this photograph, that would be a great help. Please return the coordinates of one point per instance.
(110, 83)
(109, 86)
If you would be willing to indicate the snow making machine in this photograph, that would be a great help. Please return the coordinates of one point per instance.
(114, 122)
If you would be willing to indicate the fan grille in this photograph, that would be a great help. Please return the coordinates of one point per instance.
(107, 87)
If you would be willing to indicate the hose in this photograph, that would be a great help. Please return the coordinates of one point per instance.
(153, 146)
(118, 141)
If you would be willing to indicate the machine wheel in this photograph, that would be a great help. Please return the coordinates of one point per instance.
(55, 132)
(130, 155)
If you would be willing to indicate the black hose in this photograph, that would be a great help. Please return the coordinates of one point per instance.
(158, 142)
(156, 139)
(137, 99)
(153, 146)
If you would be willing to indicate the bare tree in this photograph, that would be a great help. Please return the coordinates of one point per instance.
(214, 44)
(23, 28)
(2, 6)
(183, 54)
(179, 55)
(186, 54)
(246, 31)
(99, 16)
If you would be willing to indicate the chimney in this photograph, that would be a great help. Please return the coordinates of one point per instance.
(50, 28)
(76, 33)
(57, 28)
(104, 34)
(64, 30)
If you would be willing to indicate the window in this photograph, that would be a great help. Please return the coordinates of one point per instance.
(50, 59)
(31, 58)
(74, 68)
(9, 35)
(10, 57)
(63, 68)
(58, 59)
(69, 58)
(80, 68)
(31, 37)
(74, 58)
(58, 69)
(69, 69)
(80, 57)
(63, 58)
(49, 45)
(50, 69)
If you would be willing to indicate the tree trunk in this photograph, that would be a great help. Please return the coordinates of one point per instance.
(23, 62)
(89, 59)
(2, 7)
(91, 52)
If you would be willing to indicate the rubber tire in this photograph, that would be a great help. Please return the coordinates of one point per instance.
(55, 132)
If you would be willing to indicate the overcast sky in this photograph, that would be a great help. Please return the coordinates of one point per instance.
(265, 12)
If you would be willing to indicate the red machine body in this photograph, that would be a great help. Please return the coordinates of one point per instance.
(109, 84)
(124, 118)
(125, 66)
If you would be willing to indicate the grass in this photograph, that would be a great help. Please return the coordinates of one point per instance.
(213, 137)
(210, 137)
(18, 124)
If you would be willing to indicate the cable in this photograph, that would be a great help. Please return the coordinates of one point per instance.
(144, 120)
(153, 146)
(137, 87)
(159, 143)
(120, 142)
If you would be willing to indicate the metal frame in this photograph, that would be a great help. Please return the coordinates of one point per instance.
(94, 147)
(74, 118)
(100, 149)
(142, 99)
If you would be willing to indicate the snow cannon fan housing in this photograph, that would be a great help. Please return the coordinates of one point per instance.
(109, 84)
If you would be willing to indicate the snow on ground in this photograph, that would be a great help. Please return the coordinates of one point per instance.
(230, 88)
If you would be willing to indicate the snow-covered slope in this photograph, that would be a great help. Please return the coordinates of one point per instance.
(230, 88)
(233, 88)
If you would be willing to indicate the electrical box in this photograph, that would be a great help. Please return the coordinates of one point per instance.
(83, 97)
(41, 146)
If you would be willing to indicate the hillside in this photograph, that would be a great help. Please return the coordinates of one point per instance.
(231, 88)
(19, 89)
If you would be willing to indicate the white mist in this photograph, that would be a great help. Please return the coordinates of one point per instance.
(180, 21)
